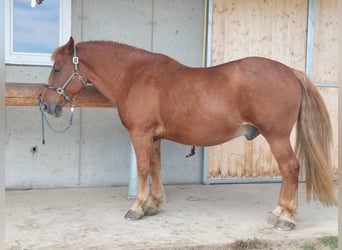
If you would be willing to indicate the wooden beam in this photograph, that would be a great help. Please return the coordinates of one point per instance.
(25, 94)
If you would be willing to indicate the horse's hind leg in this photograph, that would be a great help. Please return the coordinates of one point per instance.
(282, 217)
(157, 195)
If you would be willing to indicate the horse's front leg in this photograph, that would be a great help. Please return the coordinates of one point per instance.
(157, 195)
(143, 146)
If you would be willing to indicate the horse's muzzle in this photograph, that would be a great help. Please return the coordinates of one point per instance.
(53, 108)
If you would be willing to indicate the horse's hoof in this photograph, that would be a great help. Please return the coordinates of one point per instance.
(133, 215)
(272, 219)
(283, 225)
(151, 211)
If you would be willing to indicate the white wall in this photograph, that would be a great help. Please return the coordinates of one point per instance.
(95, 151)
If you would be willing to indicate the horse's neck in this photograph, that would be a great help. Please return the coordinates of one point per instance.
(107, 69)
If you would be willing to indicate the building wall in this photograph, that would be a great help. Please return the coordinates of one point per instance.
(96, 150)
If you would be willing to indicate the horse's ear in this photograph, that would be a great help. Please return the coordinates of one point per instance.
(70, 45)
(66, 49)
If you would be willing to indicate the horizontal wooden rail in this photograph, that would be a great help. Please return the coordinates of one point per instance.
(25, 94)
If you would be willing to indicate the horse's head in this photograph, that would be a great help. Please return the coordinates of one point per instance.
(65, 81)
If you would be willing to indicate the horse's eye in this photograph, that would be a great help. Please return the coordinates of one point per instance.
(56, 70)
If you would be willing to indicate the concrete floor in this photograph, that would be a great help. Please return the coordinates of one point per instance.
(193, 216)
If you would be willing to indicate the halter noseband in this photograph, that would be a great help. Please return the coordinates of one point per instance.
(60, 90)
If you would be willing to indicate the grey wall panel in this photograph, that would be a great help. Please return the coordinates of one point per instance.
(105, 148)
(54, 164)
(176, 168)
(121, 20)
(27, 74)
(178, 30)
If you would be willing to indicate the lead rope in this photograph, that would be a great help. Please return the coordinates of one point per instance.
(45, 120)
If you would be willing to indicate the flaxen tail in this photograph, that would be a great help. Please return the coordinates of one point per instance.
(314, 143)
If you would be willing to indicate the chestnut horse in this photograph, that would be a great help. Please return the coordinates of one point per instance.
(159, 98)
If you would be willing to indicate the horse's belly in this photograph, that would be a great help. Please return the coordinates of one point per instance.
(210, 136)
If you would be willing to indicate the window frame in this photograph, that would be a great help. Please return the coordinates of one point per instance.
(26, 58)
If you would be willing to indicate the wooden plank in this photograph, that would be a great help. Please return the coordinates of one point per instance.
(325, 64)
(25, 94)
(259, 28)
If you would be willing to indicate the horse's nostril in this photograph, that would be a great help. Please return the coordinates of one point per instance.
(58, 110)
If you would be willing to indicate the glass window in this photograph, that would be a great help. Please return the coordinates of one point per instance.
(33, 30)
